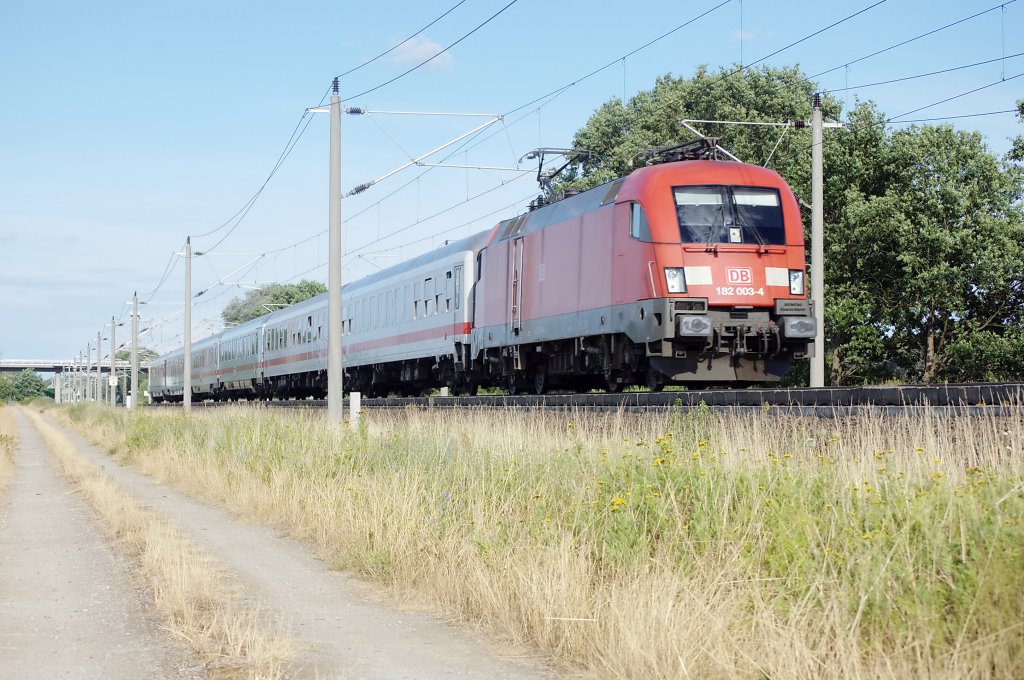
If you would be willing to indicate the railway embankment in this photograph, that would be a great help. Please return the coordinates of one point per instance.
(653, 545)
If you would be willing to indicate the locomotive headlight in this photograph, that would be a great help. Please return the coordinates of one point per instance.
(675, 280)
(796, 282)
(799, 327)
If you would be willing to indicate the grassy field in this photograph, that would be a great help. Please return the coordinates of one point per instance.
(646, 546)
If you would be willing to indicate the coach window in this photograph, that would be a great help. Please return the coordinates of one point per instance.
(639, 227)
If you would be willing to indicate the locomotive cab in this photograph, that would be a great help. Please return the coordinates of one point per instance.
(726, 268)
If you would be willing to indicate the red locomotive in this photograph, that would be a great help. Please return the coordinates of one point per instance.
(685, 272)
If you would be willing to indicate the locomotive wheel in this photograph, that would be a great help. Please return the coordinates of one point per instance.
(655, 381)
(540, 379)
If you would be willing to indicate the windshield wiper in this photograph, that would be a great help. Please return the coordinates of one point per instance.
(714, 229)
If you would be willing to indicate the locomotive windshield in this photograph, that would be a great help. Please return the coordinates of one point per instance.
(729, 214)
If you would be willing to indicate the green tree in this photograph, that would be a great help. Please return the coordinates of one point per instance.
(26, 385)
(268, 299)
(931, 258)
(6, 388)
(619, 132)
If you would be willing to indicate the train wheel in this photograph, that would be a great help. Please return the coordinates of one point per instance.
(654, 379)
(512, 386)
(540, 379)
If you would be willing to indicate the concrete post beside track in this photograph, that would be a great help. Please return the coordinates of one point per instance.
(817, 244)
(186, 395)
(335, 391)
(135, 351)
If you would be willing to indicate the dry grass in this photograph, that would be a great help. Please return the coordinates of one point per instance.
(655, 546)
(195, 595)
(8, 443)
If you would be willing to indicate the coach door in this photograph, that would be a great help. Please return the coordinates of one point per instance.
(516, 300)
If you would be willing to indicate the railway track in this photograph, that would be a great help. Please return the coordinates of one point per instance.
(943, 400)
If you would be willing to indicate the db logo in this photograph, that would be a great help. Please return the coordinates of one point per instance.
(739, 275)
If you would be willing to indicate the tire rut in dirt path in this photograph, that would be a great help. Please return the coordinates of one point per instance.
(69, 607)
(353, 635)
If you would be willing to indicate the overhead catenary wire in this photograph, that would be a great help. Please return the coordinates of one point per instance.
(910, 40)
(397, 45)
(285, 152)
(432, 57)
(615, 61)
(297, 132)
(293, 140)
(249, 206)
(956, 96)
(922, 75)
(964, 115)
(894, 119)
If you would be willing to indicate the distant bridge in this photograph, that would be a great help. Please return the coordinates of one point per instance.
(59, 366)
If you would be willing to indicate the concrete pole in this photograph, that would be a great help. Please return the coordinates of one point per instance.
(87, 373)
(56, 387)
(135, 351)
(111, 384)
(186, 398)
(99, 375)
(335, 392)
(818, 244)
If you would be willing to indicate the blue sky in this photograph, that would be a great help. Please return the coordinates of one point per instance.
(127, 126)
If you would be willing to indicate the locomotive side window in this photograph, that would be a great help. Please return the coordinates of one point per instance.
(639, 228)
(726, 214)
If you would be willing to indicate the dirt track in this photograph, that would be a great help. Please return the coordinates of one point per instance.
(69, 606)
(350, 635)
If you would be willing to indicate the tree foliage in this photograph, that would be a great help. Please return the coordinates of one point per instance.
(24, 385)
(1017, 152)
(924, 235)
(145, 354)
(268, 299)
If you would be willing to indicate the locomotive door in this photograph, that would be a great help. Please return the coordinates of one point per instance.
(516, 300)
